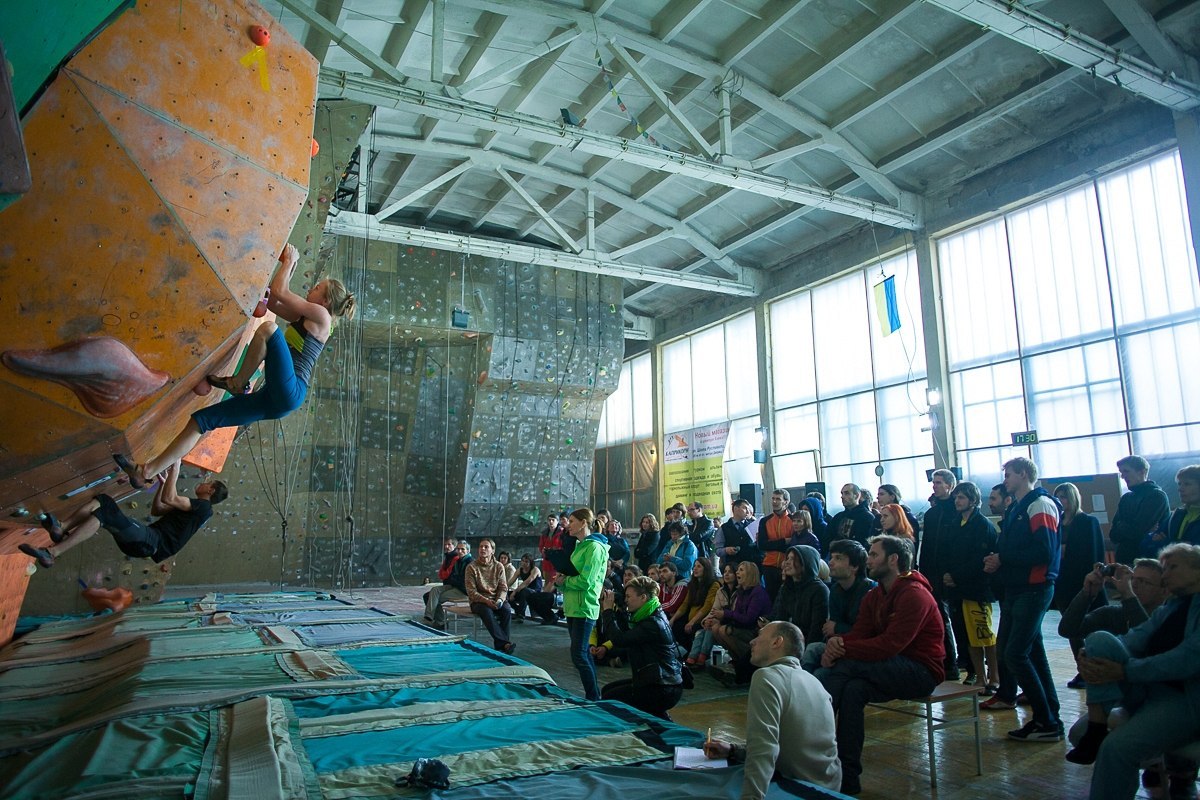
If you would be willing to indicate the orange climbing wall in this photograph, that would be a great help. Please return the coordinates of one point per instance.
(166, 176)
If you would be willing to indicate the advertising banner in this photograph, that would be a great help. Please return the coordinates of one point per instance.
(693, 468)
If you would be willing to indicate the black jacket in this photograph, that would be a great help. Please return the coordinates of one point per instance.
(965, 547)
(853, 523)
(647, 550)
(735, 536)
(648, 646)
(1139, 511)
(934, 552)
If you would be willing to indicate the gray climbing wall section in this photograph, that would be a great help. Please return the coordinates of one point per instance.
(423, 430)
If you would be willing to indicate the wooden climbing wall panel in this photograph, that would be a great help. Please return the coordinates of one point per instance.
(170, 160)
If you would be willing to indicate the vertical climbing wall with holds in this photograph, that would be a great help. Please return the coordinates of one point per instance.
(417, 429)
(169, 158)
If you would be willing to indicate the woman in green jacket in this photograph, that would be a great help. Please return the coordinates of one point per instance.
(581, 593)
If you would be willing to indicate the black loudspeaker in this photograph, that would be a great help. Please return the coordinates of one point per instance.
(814, 486)
(753, 493)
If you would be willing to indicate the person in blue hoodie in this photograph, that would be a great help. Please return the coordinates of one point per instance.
(1026, 564)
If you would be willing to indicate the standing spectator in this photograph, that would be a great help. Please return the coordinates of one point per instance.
(649, 544)
(932, 562)
(803, 599)
(487, 589)
(618, 548)
(802, 530)
(1083, 547)
(850, 584)
(893, 652)
(642, 637)
(1141, 512)
(581, 593)
(1026, 563)
(774, 538)
(970, 587)
(551, 539)
(1184, 525)
(854, 522)
(734, 541)
(894, 522)
(679, 550)
(738, 623)
(697, 602)
(701, 530)
(888, 494)
(528, 586)
(814, 503)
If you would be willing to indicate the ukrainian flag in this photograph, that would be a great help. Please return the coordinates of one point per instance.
(886, 310)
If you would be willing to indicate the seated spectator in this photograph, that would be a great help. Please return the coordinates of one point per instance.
(1152, 671)
(679, 550)
(893, 652)
(738, 624)
(803, 599)
(642, 637)
(510, 570)
(649, 544)
(847, 569)
(453, 588)
(702, 644)
(527, 586)
(969, 588)
(789, 720)
(672, 588)
(1140, 592)
(802, 530)
(487, 589)
(697, 602)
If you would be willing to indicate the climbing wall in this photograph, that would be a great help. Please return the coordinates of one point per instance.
(170, 158)
(416, 429)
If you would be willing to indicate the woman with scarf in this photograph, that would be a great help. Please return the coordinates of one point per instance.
(642, 637)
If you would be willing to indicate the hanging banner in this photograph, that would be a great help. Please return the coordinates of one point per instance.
(694, 468)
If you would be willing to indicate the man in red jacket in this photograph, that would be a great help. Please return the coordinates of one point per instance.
(893, 652)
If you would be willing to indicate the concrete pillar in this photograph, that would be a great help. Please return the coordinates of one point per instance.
(1187, 129)
(935, 346)
(766, 416)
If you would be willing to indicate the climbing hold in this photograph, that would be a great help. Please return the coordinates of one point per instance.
(202, 388)
(570, 440)
(316, 148)
(260, 36)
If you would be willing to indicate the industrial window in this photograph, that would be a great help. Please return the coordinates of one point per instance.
(1072, 316)
(628, 412)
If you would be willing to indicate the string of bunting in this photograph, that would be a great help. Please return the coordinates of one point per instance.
(645, 134)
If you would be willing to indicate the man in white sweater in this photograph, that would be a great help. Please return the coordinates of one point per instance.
(788, 705)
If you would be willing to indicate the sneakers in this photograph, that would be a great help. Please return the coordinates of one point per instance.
(42, 556)
(1077, 682)
(988, 690)
(1036, 732)
(995, 703)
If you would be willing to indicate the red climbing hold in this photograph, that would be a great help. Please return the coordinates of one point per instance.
(260, 35)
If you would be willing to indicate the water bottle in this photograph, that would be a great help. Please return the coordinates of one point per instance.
(717, 656)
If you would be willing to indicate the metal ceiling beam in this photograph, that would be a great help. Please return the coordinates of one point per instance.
(349, 223)
(537, 209)
(1060, 41)
(520, 59)
(419, 192)
(752, 33)
(660, 98)
(391, 95)
(671, 21)
(1146, 32)
(361, 52)
(693, 235)
(697, 64)
(316, 41)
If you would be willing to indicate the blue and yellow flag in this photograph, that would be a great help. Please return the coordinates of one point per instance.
(886, 310)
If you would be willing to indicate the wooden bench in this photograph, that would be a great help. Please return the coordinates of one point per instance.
(456, 613)
(944, 693)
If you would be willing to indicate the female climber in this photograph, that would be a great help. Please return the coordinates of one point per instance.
(288, 360)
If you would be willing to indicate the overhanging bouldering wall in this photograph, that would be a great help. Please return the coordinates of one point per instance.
(170, 160)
